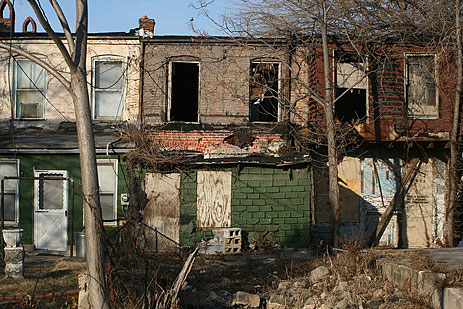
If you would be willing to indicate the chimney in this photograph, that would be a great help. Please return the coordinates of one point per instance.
(147, 24)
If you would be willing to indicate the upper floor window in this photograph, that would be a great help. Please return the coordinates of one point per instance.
(11, 194)
(107, 91)
(30, 87)
(264, 91)
(421, 86)
(351, 89)
(183, 91)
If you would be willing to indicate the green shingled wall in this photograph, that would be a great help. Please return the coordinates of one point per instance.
(263, 199)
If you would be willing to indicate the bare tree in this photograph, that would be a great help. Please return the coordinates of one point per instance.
(309, 26)
(74, 56)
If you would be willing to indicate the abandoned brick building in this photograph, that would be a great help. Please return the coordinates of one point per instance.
(236, 108)
(232, 137)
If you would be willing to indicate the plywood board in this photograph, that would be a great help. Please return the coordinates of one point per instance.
(214, 199)
(419, 208)
(163, 208)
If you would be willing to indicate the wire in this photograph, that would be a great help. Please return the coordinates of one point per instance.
(37, 88)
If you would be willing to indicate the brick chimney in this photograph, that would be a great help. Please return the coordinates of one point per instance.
(147, 24)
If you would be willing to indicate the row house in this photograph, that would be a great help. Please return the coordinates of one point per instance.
(38, 131)
(222, 133)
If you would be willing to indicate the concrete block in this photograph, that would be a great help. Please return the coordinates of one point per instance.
(430, 283)
(246, 299)
(452, 298)
(14, 270)
(14, 255)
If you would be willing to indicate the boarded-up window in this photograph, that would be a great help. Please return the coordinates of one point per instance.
(264, 91)
(214, 199)
(30, 87)
(421, 86)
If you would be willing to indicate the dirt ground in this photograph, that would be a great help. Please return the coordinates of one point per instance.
(282, 279)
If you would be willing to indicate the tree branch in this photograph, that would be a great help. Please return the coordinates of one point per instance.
(39, 61)
(52, 34)
(80, 55)
(65, 25)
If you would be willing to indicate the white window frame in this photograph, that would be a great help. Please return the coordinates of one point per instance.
(114, 164)
(169, 90)
(123, 63)
(40, 90)
(435, 113)
(16, 193)
(280, 109)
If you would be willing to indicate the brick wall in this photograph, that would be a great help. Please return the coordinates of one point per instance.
(263, 199)
(213, 143)
(223, 77)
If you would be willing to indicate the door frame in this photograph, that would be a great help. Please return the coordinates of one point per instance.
(51, 173)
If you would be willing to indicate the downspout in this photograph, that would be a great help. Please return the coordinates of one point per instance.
(111, 143)
(141, 118)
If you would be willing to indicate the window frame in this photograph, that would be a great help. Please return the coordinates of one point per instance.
(95, 61)
(279, 105)
(16, 193)
(169, 89)
(114, 163)
(41, 91)
(410, 113)
(366, 81)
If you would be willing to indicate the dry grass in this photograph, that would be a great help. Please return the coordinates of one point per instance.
(44, 275)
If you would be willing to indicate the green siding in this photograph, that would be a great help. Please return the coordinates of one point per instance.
(70, 163)
(263, 199)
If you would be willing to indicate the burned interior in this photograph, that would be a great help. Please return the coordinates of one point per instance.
(264, 90)
(184, 89)
(351, 89)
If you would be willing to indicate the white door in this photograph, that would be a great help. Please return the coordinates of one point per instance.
(50, 211)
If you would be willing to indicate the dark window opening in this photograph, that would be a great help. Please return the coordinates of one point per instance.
(184, 91)
(351, 91)
(264, 92)
(351, 106)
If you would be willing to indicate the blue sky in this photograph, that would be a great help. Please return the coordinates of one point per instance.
(172, 16)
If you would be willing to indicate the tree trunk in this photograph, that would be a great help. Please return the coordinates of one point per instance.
(454, 136)
(333, 194)
(90, 191)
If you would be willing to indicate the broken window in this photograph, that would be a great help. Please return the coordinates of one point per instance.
(184, 90)
(30, 85)
(421, 86)
(107, 92)
(107, 181)
(351, 90)
(264, 91)
(10, 168)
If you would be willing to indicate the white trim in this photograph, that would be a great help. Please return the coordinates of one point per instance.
(169, 88)
(114, 164)
(16, 193)
(15, 89)
(124, 68)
